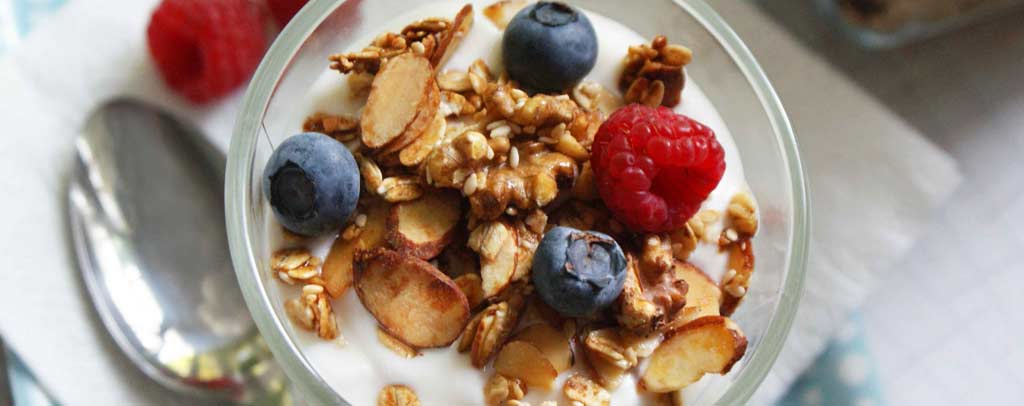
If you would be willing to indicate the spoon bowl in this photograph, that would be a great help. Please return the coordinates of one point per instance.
(146, 209)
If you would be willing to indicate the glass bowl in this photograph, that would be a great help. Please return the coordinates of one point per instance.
(725, 70)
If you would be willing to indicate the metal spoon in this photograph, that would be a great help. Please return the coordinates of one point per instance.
(147, 218)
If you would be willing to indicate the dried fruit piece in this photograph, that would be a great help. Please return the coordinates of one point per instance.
(736, 280)
(389, 284)
(423, 227)
(709, 344)
(551, 342)
(585, 392)
(403, 84)
(497, 244)
(702, 295)
(397, 395)
(396, 345)
(522, 360)
(337, 270)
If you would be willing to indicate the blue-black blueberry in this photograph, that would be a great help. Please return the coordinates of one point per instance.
(312, 183)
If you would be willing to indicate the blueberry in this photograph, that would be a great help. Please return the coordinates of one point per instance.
(312, 182)
(578, 273)
(549, 47)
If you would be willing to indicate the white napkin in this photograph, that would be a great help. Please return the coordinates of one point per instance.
(873, 183)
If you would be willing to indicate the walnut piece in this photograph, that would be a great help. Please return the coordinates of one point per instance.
(653, 74)
(653, 293)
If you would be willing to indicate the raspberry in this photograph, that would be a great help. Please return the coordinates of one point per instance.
(204, 49)
(654, 168)
(284, 10)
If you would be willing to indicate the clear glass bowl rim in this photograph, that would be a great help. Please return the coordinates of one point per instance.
(238, 178)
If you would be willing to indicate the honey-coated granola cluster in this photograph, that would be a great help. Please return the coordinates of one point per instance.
(463, 172)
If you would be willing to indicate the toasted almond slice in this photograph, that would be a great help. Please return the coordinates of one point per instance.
(703, 296)
(423, 227)
(734, 287)
(396, 345)
(709, 344)
(607, 373)
(497, 244)
(549, 341)
(522, 360)
(470, 285)
(449, 40)
(396, 94)
(411, 300)
(417, 128)
(415, 153)
(502, 11)
(337, 271)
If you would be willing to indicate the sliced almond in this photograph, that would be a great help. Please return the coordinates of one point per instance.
(703, 296)
(418, 150)
(709, 344)
(607, 373)
(497, 244)
(411, 300)
(449, 40)
(501, 12)
(337, 270)
(522, 360)
(735, 284)
(417, 128)
(423, 227)
(402, 84)
(527, 241)
(471, 286)
(549, 341)
(396, 345)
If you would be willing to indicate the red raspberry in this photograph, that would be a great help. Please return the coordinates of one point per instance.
(204, 49)
(654, 168)
(284, 10)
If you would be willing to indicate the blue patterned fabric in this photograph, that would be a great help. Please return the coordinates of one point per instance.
(843, 375)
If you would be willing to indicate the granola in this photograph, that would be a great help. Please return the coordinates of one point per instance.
(470, 170)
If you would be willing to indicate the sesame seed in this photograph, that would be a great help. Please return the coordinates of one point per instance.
(731, 235)
(495, 124)
(513, 157)
(502, 131)
(418, 48)
(361, 220)
(470, 186)
(729, 275)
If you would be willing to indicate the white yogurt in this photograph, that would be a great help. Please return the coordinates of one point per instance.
(360, 368)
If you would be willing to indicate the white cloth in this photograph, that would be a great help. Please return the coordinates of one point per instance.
(873, 183)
